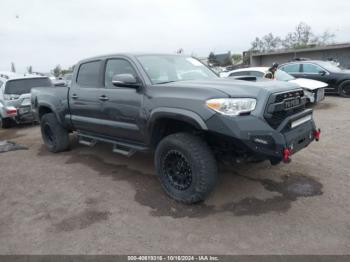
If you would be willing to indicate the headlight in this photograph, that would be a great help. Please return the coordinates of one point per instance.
(232, 106)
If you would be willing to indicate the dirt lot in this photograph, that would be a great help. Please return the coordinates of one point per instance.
(91, 201)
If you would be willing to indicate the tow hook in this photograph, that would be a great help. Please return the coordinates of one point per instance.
(286, 155)
(317, 134)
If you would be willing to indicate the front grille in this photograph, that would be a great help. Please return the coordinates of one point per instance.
(276, 117)
(283, 96)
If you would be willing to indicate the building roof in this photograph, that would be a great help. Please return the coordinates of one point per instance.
(318, 48)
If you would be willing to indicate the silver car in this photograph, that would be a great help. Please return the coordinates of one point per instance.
(15, 102)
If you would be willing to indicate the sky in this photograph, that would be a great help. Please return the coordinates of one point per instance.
(44, 33)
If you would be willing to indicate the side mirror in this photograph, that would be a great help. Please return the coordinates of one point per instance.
(125, 80)
(322, 72)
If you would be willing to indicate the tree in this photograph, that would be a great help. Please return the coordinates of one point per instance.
(57, 71)
(325, 39)
(257, 45)
(271, 42)
(212, 59)
(301, 37)
(30, 69)
(228, 59)
(236, 58)
(13, 68)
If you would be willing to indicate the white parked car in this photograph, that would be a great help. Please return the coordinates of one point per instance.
(313, 89)
(15, 97)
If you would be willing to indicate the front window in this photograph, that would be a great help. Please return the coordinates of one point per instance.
(23, 86)
(116, 67)
(283, 76)
(311, 69)
(172, 68)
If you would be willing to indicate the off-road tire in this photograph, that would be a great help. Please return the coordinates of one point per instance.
(55, 137)
(200, 159)
(342, 86)
(6, 122)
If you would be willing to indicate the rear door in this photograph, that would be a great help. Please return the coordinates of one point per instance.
(121, 107)
(84, 97)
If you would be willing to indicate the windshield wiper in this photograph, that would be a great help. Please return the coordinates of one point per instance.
(166, 82)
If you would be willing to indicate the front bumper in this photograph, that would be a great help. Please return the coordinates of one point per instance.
(315, 96)
(260, 139)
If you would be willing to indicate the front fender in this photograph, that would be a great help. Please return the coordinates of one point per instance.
(177, 114)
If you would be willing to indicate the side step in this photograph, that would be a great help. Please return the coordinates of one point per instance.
(125, 152)
(86, 142)
(122, 148)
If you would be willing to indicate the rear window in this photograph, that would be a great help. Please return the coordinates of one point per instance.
(88, 74)
(291, 68)
(23, 86)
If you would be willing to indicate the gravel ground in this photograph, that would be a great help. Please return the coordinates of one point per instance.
(91, 201)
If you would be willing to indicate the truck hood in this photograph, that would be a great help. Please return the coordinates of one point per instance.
(236, 88)
(308, 83)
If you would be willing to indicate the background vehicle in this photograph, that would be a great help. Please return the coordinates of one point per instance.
(338, 79)
(175, 105)
(15, 103)
(313, 90)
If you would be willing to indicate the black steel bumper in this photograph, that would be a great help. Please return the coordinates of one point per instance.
(261, 139)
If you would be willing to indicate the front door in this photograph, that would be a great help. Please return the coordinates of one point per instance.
(315, 72)
(121, 108)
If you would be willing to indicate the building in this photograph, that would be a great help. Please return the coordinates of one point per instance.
(337, 52)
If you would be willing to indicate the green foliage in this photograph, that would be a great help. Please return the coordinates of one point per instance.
(57, 71)
(302, 37)
(212, 59)
(237, 58)
(228, 59)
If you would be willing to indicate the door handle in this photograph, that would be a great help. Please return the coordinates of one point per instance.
(74, 96)
(103, 98)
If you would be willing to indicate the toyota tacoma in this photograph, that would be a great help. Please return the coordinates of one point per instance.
(177, 107)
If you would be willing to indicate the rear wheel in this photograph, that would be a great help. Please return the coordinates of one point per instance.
(6, 122)
(344, 89)
(55, 137)
(186, 167)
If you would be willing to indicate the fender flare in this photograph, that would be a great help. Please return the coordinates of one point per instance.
(184, 115)
(52, 110)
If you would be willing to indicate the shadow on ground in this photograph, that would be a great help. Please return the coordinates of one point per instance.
(289, 188)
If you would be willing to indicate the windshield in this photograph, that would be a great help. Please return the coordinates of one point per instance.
(330, 66)
(23, 86)
(283, 76)
(171, 68)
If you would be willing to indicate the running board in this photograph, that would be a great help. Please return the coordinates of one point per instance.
(122, 148)
(125, 152)
(86, 142)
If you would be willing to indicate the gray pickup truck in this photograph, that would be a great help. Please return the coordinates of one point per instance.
(176, 106)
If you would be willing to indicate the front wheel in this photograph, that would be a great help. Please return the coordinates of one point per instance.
(55, 137)
(344, 89)
(186, 167)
